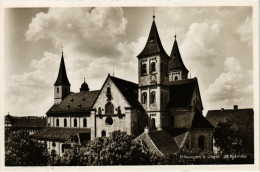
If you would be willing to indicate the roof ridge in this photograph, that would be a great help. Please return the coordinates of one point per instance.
(123, 80)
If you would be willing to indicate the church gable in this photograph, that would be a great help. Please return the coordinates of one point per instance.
(115, 96)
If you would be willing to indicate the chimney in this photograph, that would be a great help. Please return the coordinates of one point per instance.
(235, 107)
(222, 109)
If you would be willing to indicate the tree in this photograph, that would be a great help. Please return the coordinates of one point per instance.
(118, 149)
(227, 138)
(23, 150)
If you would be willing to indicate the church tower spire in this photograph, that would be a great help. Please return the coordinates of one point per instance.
(177, 69)
(62, 84)
(153, 76)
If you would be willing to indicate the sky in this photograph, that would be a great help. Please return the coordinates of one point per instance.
(215, 43)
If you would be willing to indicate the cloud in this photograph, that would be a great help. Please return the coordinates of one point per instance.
(245, 31)
(94, 31)
(234, 86)
(33, 89)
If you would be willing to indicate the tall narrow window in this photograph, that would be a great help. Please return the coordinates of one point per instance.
(143, 69)
(84, 122)
(57, 122)
(144, 98)
(103, 133)
(58, 89)
(109, 108)
(99, 111)
(153, 123)
(201, 141)
(75, 122)
(109, 96)
(153, 97)
(153, 67)
(162, 98)
(65, 122)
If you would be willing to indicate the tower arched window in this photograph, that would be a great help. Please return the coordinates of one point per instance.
(84, 122)
(153, 97)
(176, 78)
(153, 67)
(143, 69)
(75, 122)
(109, 108)
(57, 123)
(144, 98)
(65, 122)
(58, 89)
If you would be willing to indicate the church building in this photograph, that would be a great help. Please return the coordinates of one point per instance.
(164, 109)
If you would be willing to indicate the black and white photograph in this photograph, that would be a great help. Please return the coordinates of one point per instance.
(130, 86)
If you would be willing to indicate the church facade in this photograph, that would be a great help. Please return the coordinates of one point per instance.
(164, 109)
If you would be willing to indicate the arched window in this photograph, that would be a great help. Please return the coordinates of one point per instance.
(99, 111)
(143, 69)
(57, 122)
(176, 78)
(144, 98)
(103, 133)
(153, 97)
(153, 123)
(53, 153)
(84, 122)
(153, 67)
(119, 110)
(75, 122)
(109, 108)
(65, 122)
(172, 121)
(58, 89)
(201, 142)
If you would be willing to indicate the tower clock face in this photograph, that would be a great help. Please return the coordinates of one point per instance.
(153, 78)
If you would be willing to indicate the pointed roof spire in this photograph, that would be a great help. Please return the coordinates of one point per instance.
(62, 78)
(153, 45)
(176, 62)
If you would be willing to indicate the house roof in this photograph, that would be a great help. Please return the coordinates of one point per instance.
(160, 141)
(128, 89)
(27, 122)
(75, 102)
(175, 62)
(62, 78)
(153, 45)
(242, 115)
(199, 121)
(181, 92)
(58, 133)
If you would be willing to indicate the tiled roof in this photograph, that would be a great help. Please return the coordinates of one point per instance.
(62, 78)
(128, 89)
(199, 121)
(57, 133)
(75, 102)
(216, 116)
(28, 122)
(175, 62)
(181, 92)
(160, 142)
(153, 45)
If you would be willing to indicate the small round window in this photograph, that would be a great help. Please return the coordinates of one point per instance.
(109, 121)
